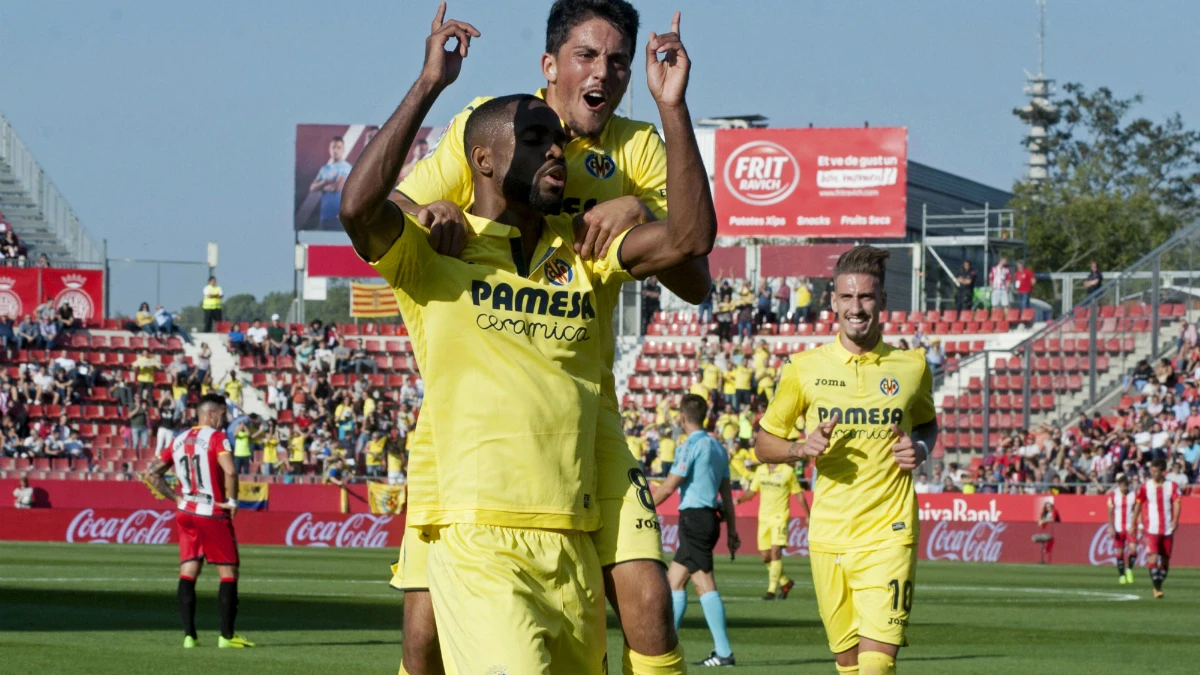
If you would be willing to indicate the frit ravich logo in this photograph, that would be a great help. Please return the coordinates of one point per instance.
(889, 385)
(558, 272)
(599, 165)
(10, 302)
(761, 173)
(75, 296)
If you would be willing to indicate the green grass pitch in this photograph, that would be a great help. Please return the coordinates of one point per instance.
(94, 609)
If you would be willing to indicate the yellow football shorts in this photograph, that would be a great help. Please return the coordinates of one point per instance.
(629, 527)
(511, 600)
(408, 574)
(772, 532)
(629, 524)
(865, 594)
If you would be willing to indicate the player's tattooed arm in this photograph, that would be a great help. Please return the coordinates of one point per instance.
(371, 213)
(155, 478)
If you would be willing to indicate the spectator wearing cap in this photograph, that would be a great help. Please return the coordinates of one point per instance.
(277, 337)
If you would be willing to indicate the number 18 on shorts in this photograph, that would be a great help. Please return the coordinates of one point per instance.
(867, 594)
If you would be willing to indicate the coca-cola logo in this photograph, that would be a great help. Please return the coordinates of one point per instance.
(361, 530)
(670, 535)
(797, 539)
(144, 526)
(979, 543)
(1103, 552)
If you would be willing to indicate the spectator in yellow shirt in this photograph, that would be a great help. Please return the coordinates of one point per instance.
(743, 383)
(375, 449)
(710, 377)
(762, 355)
(233, 388)
(637, 446)
(146, 366)
(766, 384)
(803, 300)
(666, 450)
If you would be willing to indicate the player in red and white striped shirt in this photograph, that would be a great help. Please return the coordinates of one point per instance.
(1123, 528)
(1160, 501)
(203, 463)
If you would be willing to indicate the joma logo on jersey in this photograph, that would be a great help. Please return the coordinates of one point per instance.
(533, 300)
(889, 385)
(600, 166)
(862, 415)
(558, 272)
(821, 382)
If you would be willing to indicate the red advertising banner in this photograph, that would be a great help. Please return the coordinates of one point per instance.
(157, 526)
(811, 182)
(132, 495)
(986, 541)
(23, 289)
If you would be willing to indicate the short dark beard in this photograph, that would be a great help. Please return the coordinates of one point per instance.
(520, 192)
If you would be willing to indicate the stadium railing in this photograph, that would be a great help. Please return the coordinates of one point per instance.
(1078, 362)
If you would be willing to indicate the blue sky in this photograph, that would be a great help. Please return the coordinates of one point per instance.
(169, 124)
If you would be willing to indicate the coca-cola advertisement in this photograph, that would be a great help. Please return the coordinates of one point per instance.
(157, 526)
(982, 541)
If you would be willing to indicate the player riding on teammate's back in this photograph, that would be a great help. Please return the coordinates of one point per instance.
(869, 418)
(616, 179)
(513, 576)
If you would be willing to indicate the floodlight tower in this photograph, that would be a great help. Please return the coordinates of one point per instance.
(1039, 113)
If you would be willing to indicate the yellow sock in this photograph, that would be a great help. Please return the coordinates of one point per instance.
(774, 570)
(876, 663)
(671, 663)
(783, 577)
(848, 670)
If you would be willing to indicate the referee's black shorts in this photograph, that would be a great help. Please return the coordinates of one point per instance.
(699, 530)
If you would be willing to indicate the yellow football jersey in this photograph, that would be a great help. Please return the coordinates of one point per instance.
(666, 449)
(637, 446)
(513, 367)
(862, 500)
(627, 158)
(712, 376)
(775, 484)
(743, 377)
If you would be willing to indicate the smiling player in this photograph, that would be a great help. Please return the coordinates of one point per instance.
(869, 418)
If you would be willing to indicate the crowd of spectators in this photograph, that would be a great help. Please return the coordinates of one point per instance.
(740, 312)
(321, 425)
(159, 324)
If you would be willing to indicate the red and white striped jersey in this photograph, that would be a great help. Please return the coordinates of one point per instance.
(1158, 503)
(201, 479)
(1121, 506)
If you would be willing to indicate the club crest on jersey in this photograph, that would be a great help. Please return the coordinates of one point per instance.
(558, 272)
(889, 385)
(600, 165)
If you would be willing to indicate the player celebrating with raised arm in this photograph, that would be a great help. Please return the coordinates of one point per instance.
(505, 497)
(616, 178)
(1122, 527)
(869, 418)
(203, 462)
(775, 484)
(1159, 500)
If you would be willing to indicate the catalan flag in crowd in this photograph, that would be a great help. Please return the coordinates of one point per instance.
(253, 496)
(386, 498)
(372, 301)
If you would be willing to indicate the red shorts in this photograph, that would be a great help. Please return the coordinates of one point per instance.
(1159, 544)
(1121, 540)
(204, 538)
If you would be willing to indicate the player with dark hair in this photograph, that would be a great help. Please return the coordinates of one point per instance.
(513, 576)
(1122, 527)
(701, 472)
(869, 421)
(1159, 500)
(203, 463)
(616, 179)
(775, 484)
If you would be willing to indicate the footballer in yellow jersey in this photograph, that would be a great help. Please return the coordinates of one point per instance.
(514, 145)
(869, 421)
(774, 484)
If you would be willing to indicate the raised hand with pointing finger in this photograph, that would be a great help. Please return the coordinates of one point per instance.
(442, 66)
(816, 443)
(667, 78)
(908, 454)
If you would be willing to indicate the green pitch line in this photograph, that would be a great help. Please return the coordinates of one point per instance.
(80, 608)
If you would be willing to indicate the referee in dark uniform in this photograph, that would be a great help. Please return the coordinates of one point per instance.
(701, 472)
